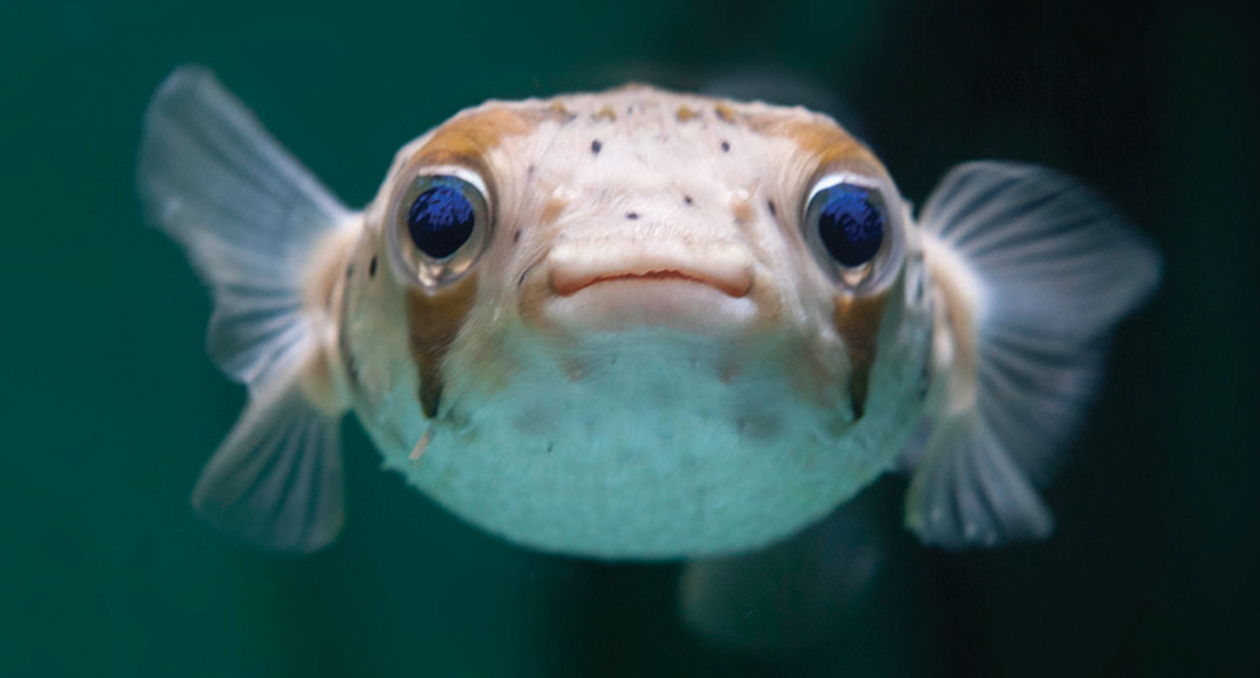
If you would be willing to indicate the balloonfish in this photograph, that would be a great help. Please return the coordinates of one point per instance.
(639, 324)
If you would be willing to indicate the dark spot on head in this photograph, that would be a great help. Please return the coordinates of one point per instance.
(349, 269)
(632, 215)
(770, 206)
(531, 171)
(726, 146)
(516, 236)
(520, 282)
(687, 199)
(372, 267)
(596, 146)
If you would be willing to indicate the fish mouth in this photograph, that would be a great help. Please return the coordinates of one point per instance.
(567, 282)
(725, 267)
(696, 287)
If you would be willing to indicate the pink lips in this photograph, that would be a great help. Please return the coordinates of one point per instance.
(700, 288)
(733, 283)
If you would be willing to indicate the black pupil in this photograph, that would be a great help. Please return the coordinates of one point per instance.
(441, 220)
(851, 223)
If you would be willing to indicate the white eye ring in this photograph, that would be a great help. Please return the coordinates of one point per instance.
(459, 172)
(414, 265)
(837, 178)
(871, 270)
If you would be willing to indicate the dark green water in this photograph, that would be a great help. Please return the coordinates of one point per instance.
(109, 407)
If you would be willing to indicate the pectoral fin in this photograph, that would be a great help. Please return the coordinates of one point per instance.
(256, 226)
(1033, 272)
(275, 482)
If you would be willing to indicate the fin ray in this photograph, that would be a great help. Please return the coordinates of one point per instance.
(251, 220)
(1053, 270)
(248, 215)
(275, 480)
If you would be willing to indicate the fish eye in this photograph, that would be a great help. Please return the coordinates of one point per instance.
(440, 224)
(850, 222)
(847, 224)
(441, 218)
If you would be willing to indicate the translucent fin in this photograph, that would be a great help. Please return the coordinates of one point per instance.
(251, 220)
(275, 482)
(1035, 271)
(248, 215)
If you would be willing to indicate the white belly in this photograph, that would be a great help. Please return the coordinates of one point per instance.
(646, 451)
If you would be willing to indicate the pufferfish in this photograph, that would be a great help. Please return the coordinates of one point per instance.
(639, 324)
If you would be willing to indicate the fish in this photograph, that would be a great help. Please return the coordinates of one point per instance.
(639, 324)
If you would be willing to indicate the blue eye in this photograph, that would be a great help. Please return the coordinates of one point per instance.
(441, 222)
(442, 218)
(850, 220)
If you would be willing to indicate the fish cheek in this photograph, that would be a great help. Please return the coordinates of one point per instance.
(433, 321)
(858, 320)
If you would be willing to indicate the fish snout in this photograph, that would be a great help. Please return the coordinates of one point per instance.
(606, 284)
(573, 267)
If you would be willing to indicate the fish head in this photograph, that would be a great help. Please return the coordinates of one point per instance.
(633, 306)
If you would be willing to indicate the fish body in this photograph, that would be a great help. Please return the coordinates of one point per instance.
(639, 324)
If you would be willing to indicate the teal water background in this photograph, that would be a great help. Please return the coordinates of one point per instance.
(109, 407)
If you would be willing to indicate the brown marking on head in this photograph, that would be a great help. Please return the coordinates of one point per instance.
(686, 114)
(829, 144)
(857, 319)
(606, 112)
(724, 112)
(433, 321)
(562, 114)
(467, 138)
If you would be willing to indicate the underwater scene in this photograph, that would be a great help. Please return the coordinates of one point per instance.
(658, 339)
